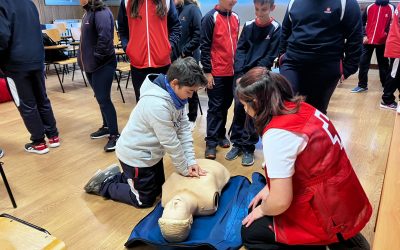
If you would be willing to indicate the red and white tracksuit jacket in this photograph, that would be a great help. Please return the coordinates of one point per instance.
(377, 19)
(392, 49)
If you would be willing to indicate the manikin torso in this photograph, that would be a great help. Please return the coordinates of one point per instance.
(183, 197)
(202, 193)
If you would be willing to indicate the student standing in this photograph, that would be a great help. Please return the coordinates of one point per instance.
(189, 43)
(96, 56)
(258, 46)
(157, 125)
(148, 30)
(22, 60)
(219, 35)
(376, 21)
(321, 42)
(392, 51)
(312, 195)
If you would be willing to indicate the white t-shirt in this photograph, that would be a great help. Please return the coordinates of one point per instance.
(280, 148)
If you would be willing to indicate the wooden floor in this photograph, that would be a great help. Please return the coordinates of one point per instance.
(49, 188)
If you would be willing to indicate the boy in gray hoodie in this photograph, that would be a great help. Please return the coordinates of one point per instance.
(157, 125)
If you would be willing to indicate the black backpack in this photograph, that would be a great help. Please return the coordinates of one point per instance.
(52, 55)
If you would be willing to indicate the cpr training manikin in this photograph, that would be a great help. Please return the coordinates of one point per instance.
(183, 197)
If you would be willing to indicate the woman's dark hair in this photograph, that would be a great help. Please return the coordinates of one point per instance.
(266, 93)
(187, 72)
(94, 5)
(134, 6)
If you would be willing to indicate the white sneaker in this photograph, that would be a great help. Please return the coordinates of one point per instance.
(192, 125)
(398, 108)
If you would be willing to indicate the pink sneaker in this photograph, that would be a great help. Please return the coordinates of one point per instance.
(54, 142)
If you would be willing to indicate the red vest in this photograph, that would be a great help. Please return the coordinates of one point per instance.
(392, 49)
(327, 196)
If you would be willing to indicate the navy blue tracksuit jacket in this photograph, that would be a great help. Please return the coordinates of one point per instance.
(321, 41)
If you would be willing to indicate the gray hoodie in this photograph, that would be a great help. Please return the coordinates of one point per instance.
(156, 127)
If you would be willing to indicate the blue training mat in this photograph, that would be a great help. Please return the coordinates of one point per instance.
(218, 231)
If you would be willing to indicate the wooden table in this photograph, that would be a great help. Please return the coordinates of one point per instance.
(56, 47)
(387, 234)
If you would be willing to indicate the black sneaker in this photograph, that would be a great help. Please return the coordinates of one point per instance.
(233, 153)
(247, 159)
(224, 142)
(1, 152)
(94, 184)
(102, 132)
(211, 153)
(112, 142)
(37, 148)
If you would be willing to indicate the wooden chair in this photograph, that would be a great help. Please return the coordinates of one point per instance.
(121, 68)
(76, 37)
(54, 34)
(19, 234)
(119, 52)
(3, 175)
(63, 67)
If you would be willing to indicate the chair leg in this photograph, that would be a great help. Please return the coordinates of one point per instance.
(83, 76)
(59, 79)
(201, 110)
(119, 87)
(64, 72)
(73, 71)
(127, 81)
(3, 175)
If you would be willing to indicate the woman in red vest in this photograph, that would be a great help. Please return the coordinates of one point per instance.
(313, 197)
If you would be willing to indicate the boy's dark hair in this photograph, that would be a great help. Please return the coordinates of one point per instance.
(266, 93)
(262, 2)
(187, 72)
(161, 8)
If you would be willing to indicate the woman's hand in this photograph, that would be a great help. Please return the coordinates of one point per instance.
(256, 214)
(196, 171)
(261, 196)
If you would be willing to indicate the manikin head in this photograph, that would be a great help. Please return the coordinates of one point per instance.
(177, 218)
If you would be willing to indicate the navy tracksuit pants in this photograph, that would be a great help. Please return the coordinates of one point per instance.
(139, 75)
(316, 81)
(219, 100)
(243, 133)
(101, 81)
(392, 82)
(135, 186)
(33, 104)
(365, 61)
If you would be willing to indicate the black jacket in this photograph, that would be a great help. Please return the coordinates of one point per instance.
(257, 46)
(21, 43)
(189, 43)
(97, 40)
(321, 31)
